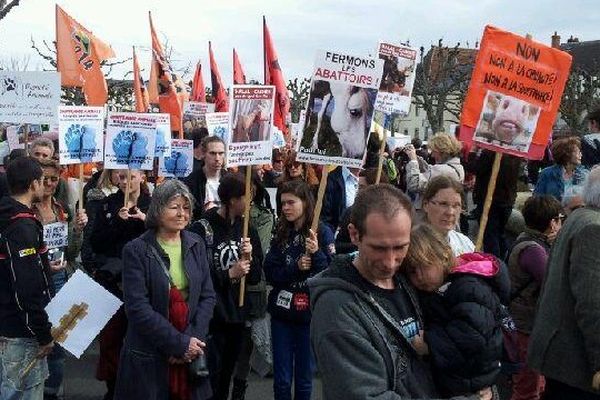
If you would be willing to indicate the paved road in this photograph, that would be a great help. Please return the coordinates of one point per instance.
(80, 383)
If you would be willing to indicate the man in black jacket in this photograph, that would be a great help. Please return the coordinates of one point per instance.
(25, 287)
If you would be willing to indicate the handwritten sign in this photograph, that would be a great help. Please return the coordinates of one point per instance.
(514, 94)
(80, 134)
(29, 97)
(56, 235)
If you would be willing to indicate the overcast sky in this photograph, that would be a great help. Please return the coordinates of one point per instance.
(298, 27)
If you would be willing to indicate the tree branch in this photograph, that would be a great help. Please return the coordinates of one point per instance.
(6, 9)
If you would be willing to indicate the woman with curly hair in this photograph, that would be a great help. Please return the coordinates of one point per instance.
(295, 170)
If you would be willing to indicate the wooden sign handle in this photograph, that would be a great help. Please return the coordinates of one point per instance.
(80, 206)
(320, 194)
(127, 188)
(488, 201)
(246, 221)
(381, 151)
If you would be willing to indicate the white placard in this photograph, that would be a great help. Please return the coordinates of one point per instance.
(130, 141)
(80, 289)
(251, 120)
(181, 161)
(80, 134)
(340, 109)
(29, 97)
(218, 124)
(399, 70)
(56, 235)
(194, 115)
(277, 139)
(15, 135)
(163, 134)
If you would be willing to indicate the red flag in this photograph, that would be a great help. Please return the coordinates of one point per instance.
(198, 90)
(274, 76)
(239, 78)
(142, 102)
(78, 57)
(172, 91)
(218, 91)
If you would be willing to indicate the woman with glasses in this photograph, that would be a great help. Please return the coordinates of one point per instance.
(56, 217)
(442, 204)
(527, 262)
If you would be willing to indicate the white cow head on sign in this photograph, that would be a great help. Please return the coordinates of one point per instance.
(349, 118)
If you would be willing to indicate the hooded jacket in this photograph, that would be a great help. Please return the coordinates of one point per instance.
(462, 324)
(360, 348)
(417, 181)
(222, 244)
(25, 284)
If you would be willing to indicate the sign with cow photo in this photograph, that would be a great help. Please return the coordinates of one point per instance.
(399, 70)
(250, 125)
(514, 94)
(340, 108)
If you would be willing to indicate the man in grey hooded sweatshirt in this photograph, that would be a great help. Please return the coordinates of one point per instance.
(365, 315)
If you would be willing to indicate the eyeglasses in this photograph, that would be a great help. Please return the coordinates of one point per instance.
(446, 205)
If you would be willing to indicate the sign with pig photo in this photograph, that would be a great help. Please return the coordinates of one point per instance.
(514, 94)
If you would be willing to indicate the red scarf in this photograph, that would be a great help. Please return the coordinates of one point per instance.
(179, 388)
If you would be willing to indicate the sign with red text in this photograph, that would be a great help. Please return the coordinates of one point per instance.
(180, 162)
(514, 94)
(80, 134)
(130, 141)
(399, 69)
(250, 125)
(340, 109)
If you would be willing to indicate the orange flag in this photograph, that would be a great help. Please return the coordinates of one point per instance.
(198, 90)
(274, 76)
(78, 57)
(171, 89)
(142, 102)
(239, 78)
(218, 90)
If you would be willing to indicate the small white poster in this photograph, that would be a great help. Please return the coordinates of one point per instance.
(194, 115)
(83, 308)
(163, 134)
(80, 134)
(218, 124)
(56, 235)
(181, 161)
(29, 97)
(130, 141)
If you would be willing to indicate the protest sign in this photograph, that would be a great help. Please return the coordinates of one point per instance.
(163, 134)
(29, 97)
(194, 113)
(397, 142)
(79, 311)
(399, 68)
(340, 108)
(251, 120)
(80, 134)
(218, 124)
(56, 235)
(277, 139)
(180, 162)
(130, 141)
(514, 94)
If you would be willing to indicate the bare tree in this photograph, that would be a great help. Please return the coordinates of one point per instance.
(15, 64)
(580, 96)
(5, 7)
(441, 82)
(299, 91)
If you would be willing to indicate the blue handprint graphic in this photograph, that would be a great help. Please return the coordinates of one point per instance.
(130, 148)
(160, 144)
(176, 164)
(220, 132)
(81, 142)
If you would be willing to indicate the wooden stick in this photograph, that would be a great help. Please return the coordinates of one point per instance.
(380, 163)
(127, 188)
(80, 207)
(320, 194)
(248, 202)
(26, 137)
(488, 201)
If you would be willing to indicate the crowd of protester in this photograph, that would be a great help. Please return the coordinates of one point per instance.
(385, 296)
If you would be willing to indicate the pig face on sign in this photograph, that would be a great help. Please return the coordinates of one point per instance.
(507, 122)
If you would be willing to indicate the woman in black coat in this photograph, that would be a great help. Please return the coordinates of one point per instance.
(169, 301)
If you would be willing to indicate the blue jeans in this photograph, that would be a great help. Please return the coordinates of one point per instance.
(292, 356)
(56, 359)
(15, 356)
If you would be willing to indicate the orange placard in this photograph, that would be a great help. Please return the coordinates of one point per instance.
(514, 94)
